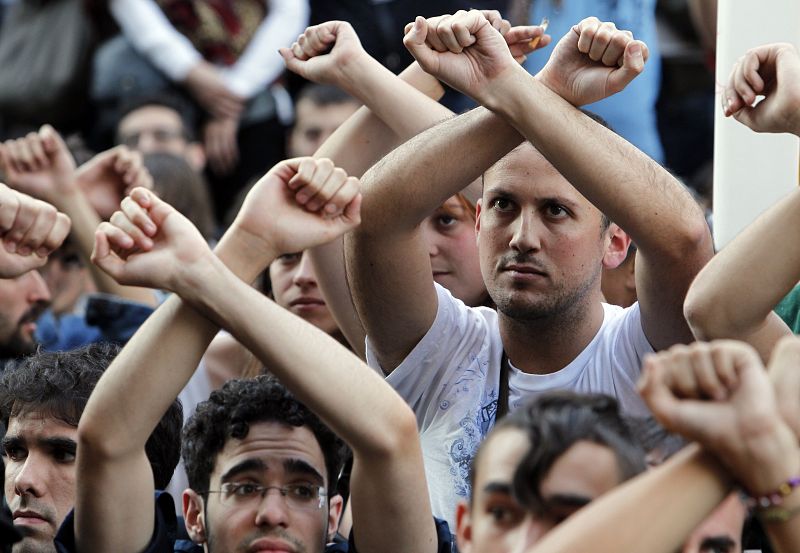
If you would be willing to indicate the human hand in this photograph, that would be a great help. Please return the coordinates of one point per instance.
(327, 53)
(464, 50)
(300, 203)
(109, 176)
(222, 149)
(30, 230)
(720, 395)
(593, 61)
(149, 243)
(40, 165)
(209, 89)
(521, 40)
(772, 71)
(784, 372)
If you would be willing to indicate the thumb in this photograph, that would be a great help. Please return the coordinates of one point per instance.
(414, 41)
(52, 141)
(352, 212)
(103, 257)
(632, 65)
(291, 62)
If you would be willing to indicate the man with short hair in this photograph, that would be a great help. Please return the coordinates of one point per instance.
(41, 401)
(319, 110)
(543, 239)
(563, 450)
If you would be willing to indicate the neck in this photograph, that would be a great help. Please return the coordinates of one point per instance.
(547, 345)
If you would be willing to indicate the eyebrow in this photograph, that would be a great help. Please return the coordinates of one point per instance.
(298, 466)
(498, 487)
(566, 500)
(247, 465)
(717, 542)
(559, 200)
(54, 442)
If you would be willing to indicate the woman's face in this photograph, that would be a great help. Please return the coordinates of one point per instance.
(450, 234)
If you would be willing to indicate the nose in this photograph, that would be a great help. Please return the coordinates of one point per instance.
(273, 510)
(29, 477)
(529, 533)
(525, 233)
(431, 239)
(304, 275)
(36, 290)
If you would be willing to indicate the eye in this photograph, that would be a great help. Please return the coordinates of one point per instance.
(290, 258)
(14, 452)
(63, 455)
(556, 211)
(305, 492)
(446, 220)
(504, 514)
(502, 204)
(242, 489)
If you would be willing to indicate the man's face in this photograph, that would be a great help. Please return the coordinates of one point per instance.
(22, 300)
(495, 521)
(67, 279)
(152, 129)
(314, 124)
(721, 531)
(294, 287)
(450, 235)
(277, 455)
(39, 455)
(540, 241)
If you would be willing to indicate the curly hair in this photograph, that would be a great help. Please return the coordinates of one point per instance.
(58, 385)
(556, 421)
(229, 412)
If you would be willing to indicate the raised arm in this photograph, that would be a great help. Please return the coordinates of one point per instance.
(388, 477)
(41, 165)
(722, 302)
(741, 439)
(126, 405)
(630, 188)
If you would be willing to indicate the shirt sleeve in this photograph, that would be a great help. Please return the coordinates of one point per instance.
(152, 35)
(260, 64)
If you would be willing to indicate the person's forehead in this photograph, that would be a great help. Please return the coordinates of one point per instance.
(32, 425)
(586, 469)
(526, 172)
(149, 117)
(271, 444)
(309, 113)
(499, 458)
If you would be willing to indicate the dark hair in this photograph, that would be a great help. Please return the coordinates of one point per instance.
(161, 99)
(324, 95)
(556, 421)
(230, 411)
(183, 188)
(58, 385)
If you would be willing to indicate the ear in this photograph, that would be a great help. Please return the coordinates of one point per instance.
(616, 246)
(194, 515)
(630, 273)
(334, 514)
(463, 527)
(196, 156)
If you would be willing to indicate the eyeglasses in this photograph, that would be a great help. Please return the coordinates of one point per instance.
(297, 496)
(159, 136)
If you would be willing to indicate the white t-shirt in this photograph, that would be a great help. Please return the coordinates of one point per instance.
(451, 378)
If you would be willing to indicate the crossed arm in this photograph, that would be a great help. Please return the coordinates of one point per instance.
(388, 478)
(723, 301)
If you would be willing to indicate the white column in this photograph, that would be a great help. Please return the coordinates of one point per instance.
(751, 171)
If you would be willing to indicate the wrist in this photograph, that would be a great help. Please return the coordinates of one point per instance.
(772, 459)
(195, 281)
(244, 254)
(502, 94)
(357, 71)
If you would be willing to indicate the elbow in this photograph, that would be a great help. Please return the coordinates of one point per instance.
(398, 436)
(96, 440)
(699, 310)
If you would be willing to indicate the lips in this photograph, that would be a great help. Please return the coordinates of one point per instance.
(28, 517)
(265, 545)
(523, 269)
(306, 301)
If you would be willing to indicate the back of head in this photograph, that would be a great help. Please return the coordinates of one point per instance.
(229, 412)
(58, 385)
(556, 421)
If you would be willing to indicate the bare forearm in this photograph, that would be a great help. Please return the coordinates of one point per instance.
(688, 487)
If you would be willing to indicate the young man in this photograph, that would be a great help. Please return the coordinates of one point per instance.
(270, 487)
(556, 454)
(543, 235)
(41, 401)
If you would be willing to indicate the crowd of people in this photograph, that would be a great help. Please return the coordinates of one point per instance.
(504, 330)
